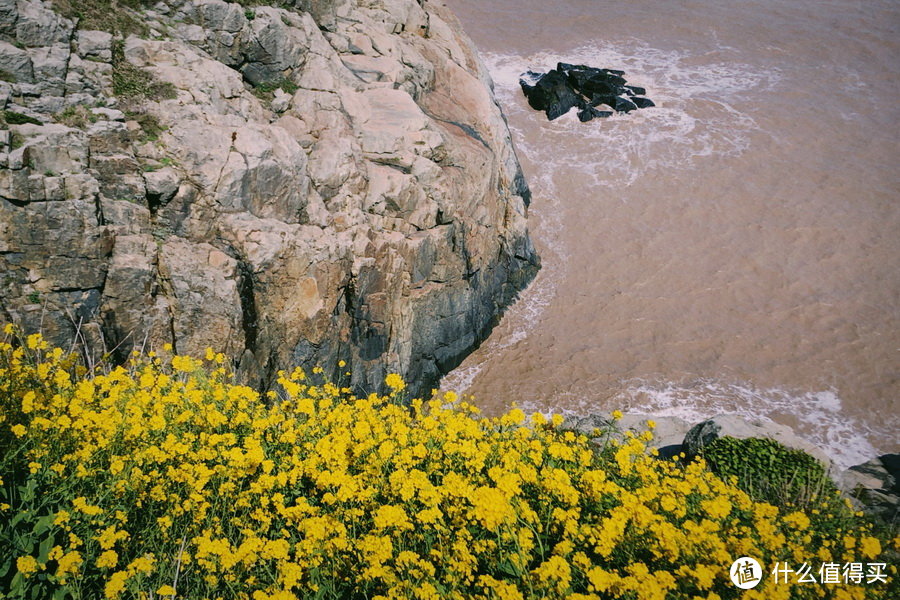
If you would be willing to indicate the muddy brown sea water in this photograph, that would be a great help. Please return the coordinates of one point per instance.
(735, 248)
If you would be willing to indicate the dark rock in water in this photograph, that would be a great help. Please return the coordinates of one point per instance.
(589, 112)
(607, 99)
(594, 81)
(623, 105)
(569, 86)
(552, 94)
(593, 84)
(564, 67)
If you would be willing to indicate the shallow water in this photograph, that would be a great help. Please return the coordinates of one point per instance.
(734, 249)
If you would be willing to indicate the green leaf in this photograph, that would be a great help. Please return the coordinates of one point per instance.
(44, 548)
(20, 516)
(508, 568)
(61, 594)
(43, 524)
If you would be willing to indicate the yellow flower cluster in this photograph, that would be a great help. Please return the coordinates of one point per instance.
(163, 477)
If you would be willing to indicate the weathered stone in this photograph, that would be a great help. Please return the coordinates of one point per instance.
(16, 62)
(323, 11)
(668, 432)
(5, 93)
(204, 299)
(110, 114)
(281, 102)
(55, 148)
(221, 16)
(81, 186)
(161, 185)
(376, 216)
(874, 486)
(50, 62)
(9, 14)
(14, 184)
(94, 44)
(40, 26)
(49, 105)
(124, 217)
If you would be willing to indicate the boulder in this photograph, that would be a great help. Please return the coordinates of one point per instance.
(94, 44)
(589, 112)
(16, 63)
(552, 93)
(161, 186)
(623, 105)
(590, 81)
(38, 26)
(559, 90)
(668, 432)
(874, 486)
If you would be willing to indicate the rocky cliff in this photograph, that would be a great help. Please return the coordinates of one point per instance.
(307, 183)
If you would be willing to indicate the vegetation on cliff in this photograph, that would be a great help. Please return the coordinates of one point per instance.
(164, 479)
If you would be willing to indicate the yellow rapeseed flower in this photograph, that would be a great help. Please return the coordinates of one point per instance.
(160, 467)
(27, 565)
(395, 382)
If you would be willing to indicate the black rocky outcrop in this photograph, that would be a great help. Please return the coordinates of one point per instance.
(579, 86)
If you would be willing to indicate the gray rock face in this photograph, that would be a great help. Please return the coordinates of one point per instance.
(874, 486)
(328, 182)
(668, 432)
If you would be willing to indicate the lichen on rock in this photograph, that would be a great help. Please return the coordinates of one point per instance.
(307, 184)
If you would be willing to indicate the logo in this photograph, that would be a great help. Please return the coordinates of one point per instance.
(745, 572)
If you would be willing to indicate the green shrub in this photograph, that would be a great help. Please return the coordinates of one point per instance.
(266, 90)
(77, 115)
(16, 140)
(150, 125)
(769, 471)
(134, 83)
(15, 118)
(113, 16)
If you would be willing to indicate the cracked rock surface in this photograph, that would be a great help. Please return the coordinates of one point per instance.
(328, 181)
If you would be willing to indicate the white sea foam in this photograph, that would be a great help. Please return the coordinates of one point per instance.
(460, 379)
(695, 114)
(818, 417)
